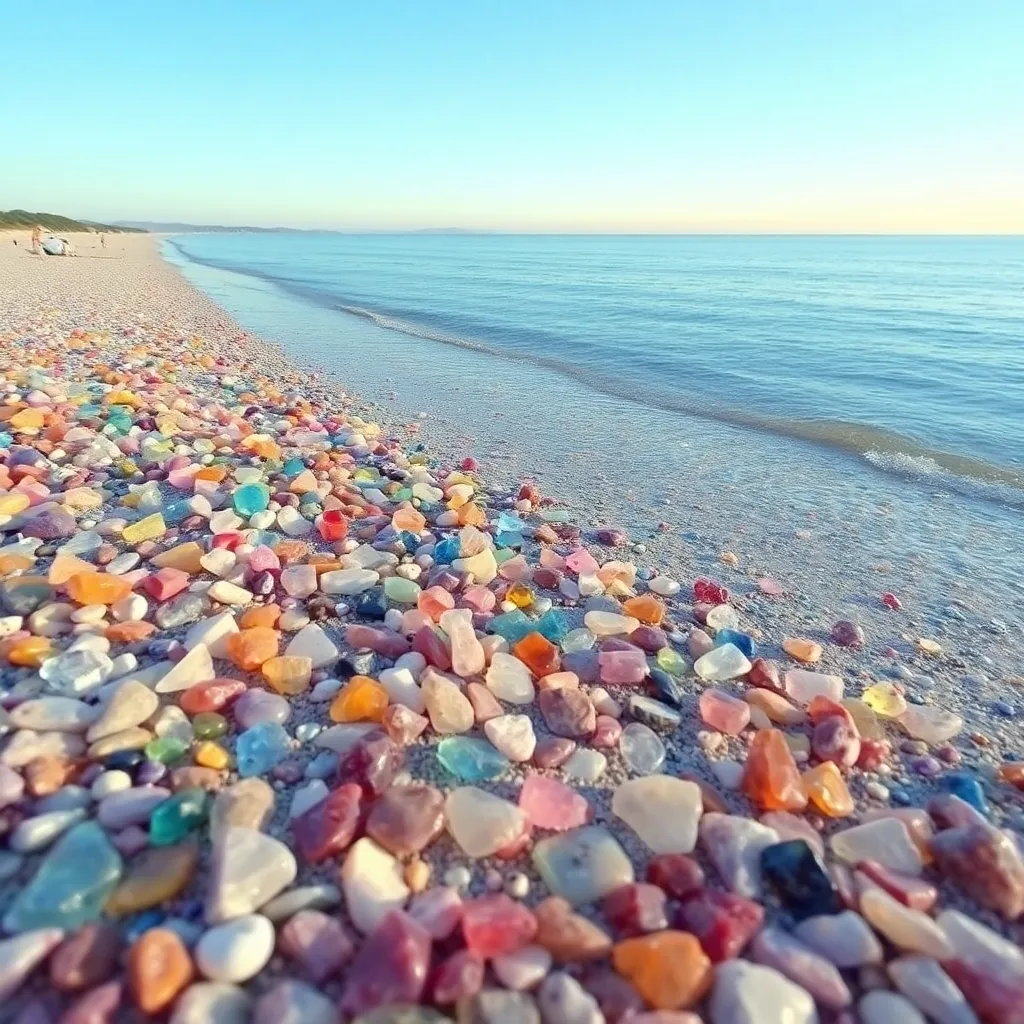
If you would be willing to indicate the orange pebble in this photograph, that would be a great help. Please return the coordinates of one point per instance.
(28, 651)
(770, 777)
(645, 608)
(668, 968)
(128, 632)
(539, 655)
(250, 648)
(288, 674)
(827, 790)
(97, 588)
(265, 615)
(361, 700)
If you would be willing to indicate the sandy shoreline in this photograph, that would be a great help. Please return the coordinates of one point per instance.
(142, 300)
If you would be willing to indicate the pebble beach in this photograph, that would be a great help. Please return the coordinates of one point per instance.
(309, 713)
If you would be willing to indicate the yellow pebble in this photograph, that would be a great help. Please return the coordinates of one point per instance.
(210, 755)
(148, 528)
(12, 504)
(929, 646)
(417, 875)
(885, 700)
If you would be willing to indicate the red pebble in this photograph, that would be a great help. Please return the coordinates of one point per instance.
(723, 923)
(765, 673)
(677, 874)
(996, 999)
(890, 600)
(433, 648)
(211, 695)
(329, 827)
(459, 977)
(709, 592)
(872, 753)
(497, 924)
(469, 464)
(372, 762)
(912, 892)
(390, 967)
(635, 909)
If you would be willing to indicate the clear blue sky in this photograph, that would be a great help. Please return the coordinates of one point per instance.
(529, 115)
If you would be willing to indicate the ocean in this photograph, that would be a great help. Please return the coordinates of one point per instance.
(844, 411)
(900, 350)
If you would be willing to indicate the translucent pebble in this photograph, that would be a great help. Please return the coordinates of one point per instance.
(260, 748)
(585, 764)
(931, 724)
(722, 663)
(641, 748)
(885, 700)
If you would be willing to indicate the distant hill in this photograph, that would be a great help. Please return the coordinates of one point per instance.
(54, 222)
(175, 227)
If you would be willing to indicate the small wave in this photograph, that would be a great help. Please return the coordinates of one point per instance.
(886, 450)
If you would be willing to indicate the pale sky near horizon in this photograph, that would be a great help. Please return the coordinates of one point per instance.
(543, 115)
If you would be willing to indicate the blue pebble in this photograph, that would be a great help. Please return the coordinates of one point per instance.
(507, 539)
(553, 625)
(471, 760)
(446, 550)
(509, 523)
(1001, 707)
(966, 787)
(260, 748)
(741, 640)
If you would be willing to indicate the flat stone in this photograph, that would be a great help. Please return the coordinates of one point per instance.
(20, 955)
(885, 840)
(317, 942)
(249, 803)
(779, 950)
(154, 877)
(923, 981)
(373, 883)
(908, 930)
(71, 885)
(734, 845)
(880, 1007)
(195, 667)
(53, 714)
(248, 869)
(294, 1002)
(482, 823)
(845, 939)
(747, 993)
(583, 865)
(237, 950)
(405, 819)
(213, 1002)
(131, 704)
(663, 811)
(86, 958)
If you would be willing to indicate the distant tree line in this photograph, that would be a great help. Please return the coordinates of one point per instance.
(14, 219)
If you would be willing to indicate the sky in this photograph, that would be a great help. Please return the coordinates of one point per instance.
(537, 115)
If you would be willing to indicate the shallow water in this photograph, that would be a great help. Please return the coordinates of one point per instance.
(826, 522)
(908, 351)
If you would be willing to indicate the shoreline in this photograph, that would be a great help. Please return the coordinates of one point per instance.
(159, 308)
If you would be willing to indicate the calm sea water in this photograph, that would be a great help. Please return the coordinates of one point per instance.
(908, 352)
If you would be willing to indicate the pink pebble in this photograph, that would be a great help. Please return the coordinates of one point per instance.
(725, 713)
(582, 562)
(551, 804)
(622, 667)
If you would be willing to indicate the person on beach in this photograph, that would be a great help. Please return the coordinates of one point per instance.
(37, 240)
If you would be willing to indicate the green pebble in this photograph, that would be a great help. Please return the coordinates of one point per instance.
(177, 816)
(208, 725)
